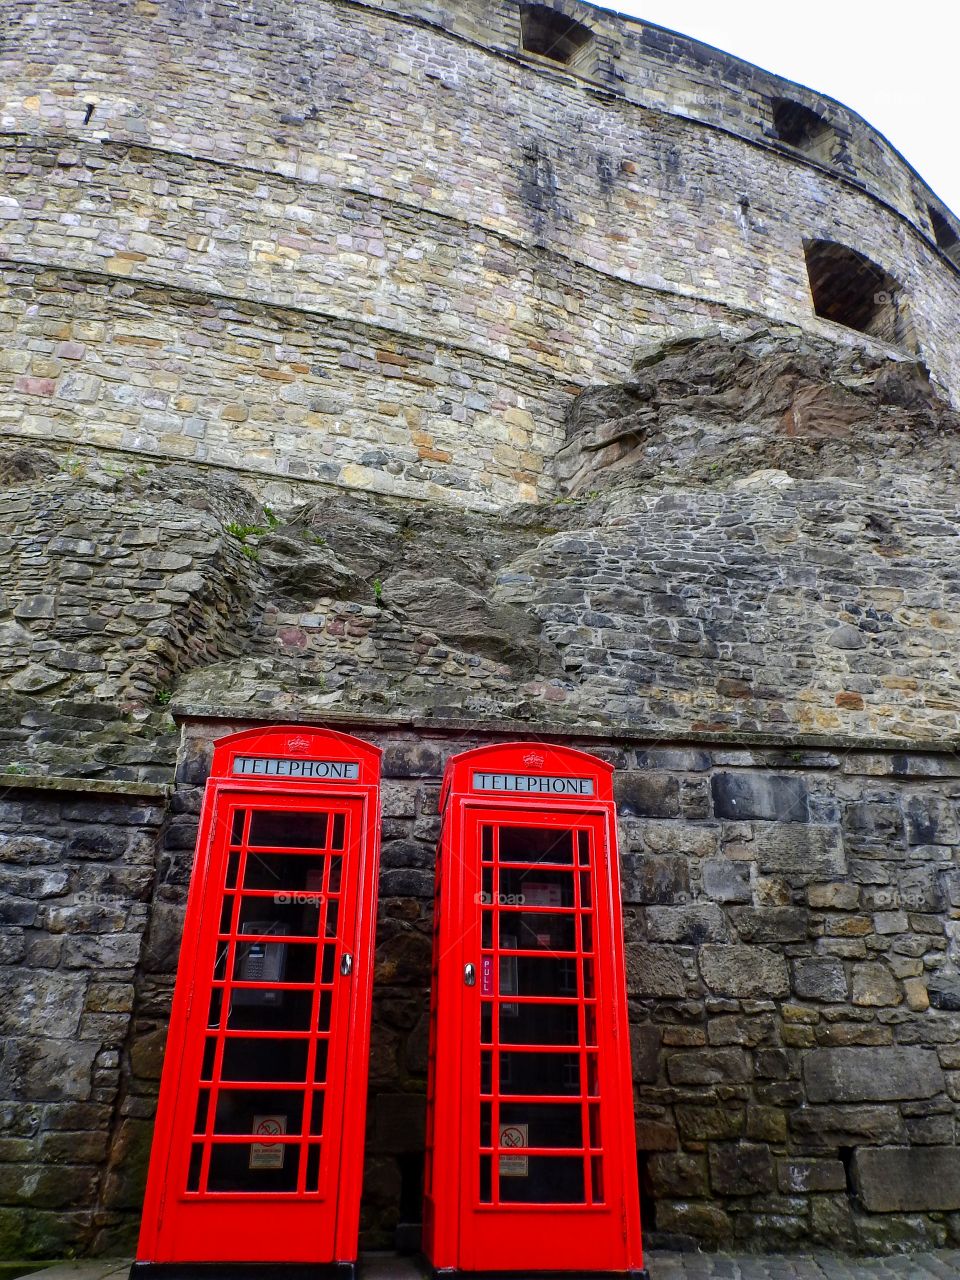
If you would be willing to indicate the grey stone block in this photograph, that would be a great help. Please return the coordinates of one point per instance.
(726, 881)
(871, 1074)
(816, 852)
(700, 922)
(657, 879)
(647, 795)
(744, 971)
(818, 979)
(654, 971)
(769, 797)
(901, 1179)
(709, 1066)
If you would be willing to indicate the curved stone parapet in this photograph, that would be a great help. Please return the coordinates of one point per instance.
(334, 242)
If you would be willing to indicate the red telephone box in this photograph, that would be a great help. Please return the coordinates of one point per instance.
(531, 1147)
(258, 1148)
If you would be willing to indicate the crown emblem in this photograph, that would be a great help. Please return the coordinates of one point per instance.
(298, 744)
(533, 758)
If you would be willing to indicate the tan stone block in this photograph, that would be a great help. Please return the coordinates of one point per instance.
(918, 998)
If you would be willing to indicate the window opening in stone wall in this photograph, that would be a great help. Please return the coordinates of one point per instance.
(553, 35)
(946, 237)
(851, 290)
(799, 127)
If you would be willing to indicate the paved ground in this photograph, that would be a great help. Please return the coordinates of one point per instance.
(941, 1265)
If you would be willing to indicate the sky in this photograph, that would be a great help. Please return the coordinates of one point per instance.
(893, 63)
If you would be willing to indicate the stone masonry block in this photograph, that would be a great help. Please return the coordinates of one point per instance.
(871, 1074)
(769, 797)
(744, 971)
(904, 1179)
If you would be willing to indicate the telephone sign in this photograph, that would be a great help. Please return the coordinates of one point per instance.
(258, 1147)
(531, 1159)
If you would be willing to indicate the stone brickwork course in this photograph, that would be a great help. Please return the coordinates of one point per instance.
(365, 368)
(331, 241)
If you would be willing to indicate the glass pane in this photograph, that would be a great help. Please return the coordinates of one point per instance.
(486, 929)
(271, 962)
(216, 1007)
(333, 917)
(320, 1062)
(283, 914)
(313, 1167)
(336, 871)
(339, 830)
(236, 830)
(258, 1110)
(196, 1162)
(542, 931)
(323, 1010)
(586, 925)
(486, 844)
(486, 1023)
(284, 872)
(485, 1123)
(586, 892)
(485, 1179)
(533, 887)
(316, 1113)
(539, 1024)
(590, 1024)
(486, 1071)
(536, 844)
(583, 845)
(588, 987)
(253, 1166)
(203, 1105)
(266, 1059)
(596, 1179)
(540, 1074)
(594, 1110)
(541, 1179)
(285, 1011)
(209, 1056)
(226, 913)
(544, 1125)
(288, 830)
(233, 864)
(533, 976)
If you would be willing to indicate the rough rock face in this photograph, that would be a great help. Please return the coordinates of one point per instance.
(708, 407)
(768, 545)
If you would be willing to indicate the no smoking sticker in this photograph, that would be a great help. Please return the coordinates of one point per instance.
(268, 1155)
(514, 1136)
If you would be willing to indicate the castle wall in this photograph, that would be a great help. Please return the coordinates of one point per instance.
(789, 945)
(458, 239)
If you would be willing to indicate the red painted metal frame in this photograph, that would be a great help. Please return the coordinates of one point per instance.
(460, 1232)
(271, 1227)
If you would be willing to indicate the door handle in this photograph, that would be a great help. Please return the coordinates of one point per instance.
(346, 964)
(469, 975)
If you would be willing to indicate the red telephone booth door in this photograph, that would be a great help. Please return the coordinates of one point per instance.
(259, 1140)
(538, 1087)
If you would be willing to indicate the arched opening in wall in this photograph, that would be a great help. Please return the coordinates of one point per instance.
(851, 290)
(945, 235)
(551, 34)
(799, 127)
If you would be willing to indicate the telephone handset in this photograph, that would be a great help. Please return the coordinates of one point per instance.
(261, 962)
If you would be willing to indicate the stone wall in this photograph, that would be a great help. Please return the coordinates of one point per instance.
(792, 975)
(252, 260)
(77, 864)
